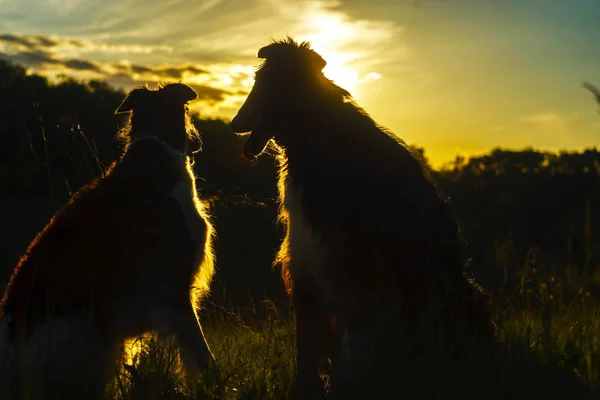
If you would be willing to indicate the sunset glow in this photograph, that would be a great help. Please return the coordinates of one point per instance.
(330, 33)
(453, 77)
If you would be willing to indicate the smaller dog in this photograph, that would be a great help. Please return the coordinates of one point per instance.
(129, 253)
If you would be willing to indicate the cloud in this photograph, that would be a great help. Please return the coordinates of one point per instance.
(165, 41)
(41, 59)
(45, 52)
(353, 48)
(211, 98)
(33, 58)
(46, 41)
(545, 128)
(544, 117)
(154, 72)
(82, 65)
(177, 72)
(205, 93)
(67, 45)
(123, 80)
(14, 39)
(28, 42)
(210, 94)
(139, 69)
(171, 72)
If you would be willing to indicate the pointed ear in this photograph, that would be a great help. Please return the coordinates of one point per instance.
(133, 100)
(179, 92)
(265, 51)
(316, 61)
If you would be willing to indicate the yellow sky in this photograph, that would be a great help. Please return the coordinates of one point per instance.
(453, 76)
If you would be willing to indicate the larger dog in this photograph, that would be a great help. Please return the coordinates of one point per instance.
(129, 253)
(370, 244)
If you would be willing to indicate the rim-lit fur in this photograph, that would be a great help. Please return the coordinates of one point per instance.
(129, 253)
(162, 125)
(370, 244)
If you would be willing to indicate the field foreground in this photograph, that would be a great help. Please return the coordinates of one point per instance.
(548, 332)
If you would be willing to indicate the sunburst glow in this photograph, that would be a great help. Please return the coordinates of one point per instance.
(328, 33)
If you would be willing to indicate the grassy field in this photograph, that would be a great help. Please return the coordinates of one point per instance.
(548, 330)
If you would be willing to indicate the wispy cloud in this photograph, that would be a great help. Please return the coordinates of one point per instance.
(558, 128)
(208, 43)
(28, 42)
(545, 117)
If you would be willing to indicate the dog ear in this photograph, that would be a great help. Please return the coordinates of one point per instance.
(134, 99)
(179, 93)
(267, 51)
(316, 61)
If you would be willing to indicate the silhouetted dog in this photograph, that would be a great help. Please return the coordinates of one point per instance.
(371, 249)
(129, 253)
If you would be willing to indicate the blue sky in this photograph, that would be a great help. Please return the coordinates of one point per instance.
(454, 76)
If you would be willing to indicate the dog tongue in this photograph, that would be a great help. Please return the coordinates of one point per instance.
(247, 155)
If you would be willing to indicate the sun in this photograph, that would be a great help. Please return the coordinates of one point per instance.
(338, 70)
(328, 33)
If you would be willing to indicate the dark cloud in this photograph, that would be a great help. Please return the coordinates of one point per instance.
(205, 93)
(123, 80)
(40, 53)
(139, 69)
(219, 56)
(38, 42)
(173, 72)
(40, 59)
(46, 41)
(209, 94)
(14, 39)
(177, 72)
(82, 65)
(196, 71)
(121, 67)
(37, 51)
(76, 43)
(33, 58)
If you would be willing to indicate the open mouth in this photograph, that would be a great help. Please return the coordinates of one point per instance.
(255, 143)
(247, 151)
(242, 127)
(257, 137)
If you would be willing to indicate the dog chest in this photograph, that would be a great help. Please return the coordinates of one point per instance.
(305, 245)
(185, 195)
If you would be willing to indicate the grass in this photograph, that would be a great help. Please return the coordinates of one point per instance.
(255, 356)
(548, 329)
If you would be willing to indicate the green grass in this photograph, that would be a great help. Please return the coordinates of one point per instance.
(549, 334)
(255, 357)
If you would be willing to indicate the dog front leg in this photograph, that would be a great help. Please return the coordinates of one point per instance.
(312, 331)
(181, 322)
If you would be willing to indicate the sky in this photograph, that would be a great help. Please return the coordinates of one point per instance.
(452, 76)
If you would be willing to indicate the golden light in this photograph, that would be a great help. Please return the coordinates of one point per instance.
(341, 41)
(328, 32)
(131, 348)
(339, 71)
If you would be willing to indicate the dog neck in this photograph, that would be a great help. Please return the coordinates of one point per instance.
(170, 148)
